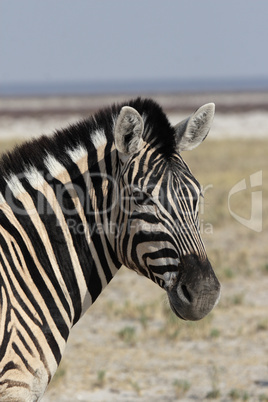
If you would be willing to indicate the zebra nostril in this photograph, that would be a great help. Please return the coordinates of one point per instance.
(186, 293)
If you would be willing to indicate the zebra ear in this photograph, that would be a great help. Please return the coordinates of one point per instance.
(128, 131)
(193, 130)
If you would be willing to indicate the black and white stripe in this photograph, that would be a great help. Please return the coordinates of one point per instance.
(108, 191)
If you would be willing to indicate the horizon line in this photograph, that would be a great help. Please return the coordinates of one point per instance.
(134, 86)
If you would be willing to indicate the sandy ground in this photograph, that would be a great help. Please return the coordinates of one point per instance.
(128, 347)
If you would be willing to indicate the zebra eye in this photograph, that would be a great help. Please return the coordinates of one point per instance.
(141, 198)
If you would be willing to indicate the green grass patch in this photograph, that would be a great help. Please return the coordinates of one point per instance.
(128, 335)
(181, 387)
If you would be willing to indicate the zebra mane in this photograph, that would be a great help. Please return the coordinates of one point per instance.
(157, 131)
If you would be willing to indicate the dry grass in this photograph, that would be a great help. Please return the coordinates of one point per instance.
(8, 145)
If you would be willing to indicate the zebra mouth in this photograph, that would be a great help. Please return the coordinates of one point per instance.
(171, 286)
(176, 312)
(171, 281)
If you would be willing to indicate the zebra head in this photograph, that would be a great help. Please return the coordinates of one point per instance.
(159, 236)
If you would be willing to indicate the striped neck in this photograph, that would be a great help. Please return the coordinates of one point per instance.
(62, 209)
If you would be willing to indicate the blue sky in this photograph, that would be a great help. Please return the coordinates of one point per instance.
(46, 41)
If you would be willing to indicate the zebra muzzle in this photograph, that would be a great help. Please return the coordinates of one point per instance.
(194, 290)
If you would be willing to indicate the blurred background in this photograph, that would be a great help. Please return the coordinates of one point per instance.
(61, 61)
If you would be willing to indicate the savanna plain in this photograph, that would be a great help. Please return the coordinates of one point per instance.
(130, 347)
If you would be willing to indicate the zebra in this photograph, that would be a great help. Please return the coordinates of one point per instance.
(75, 206)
